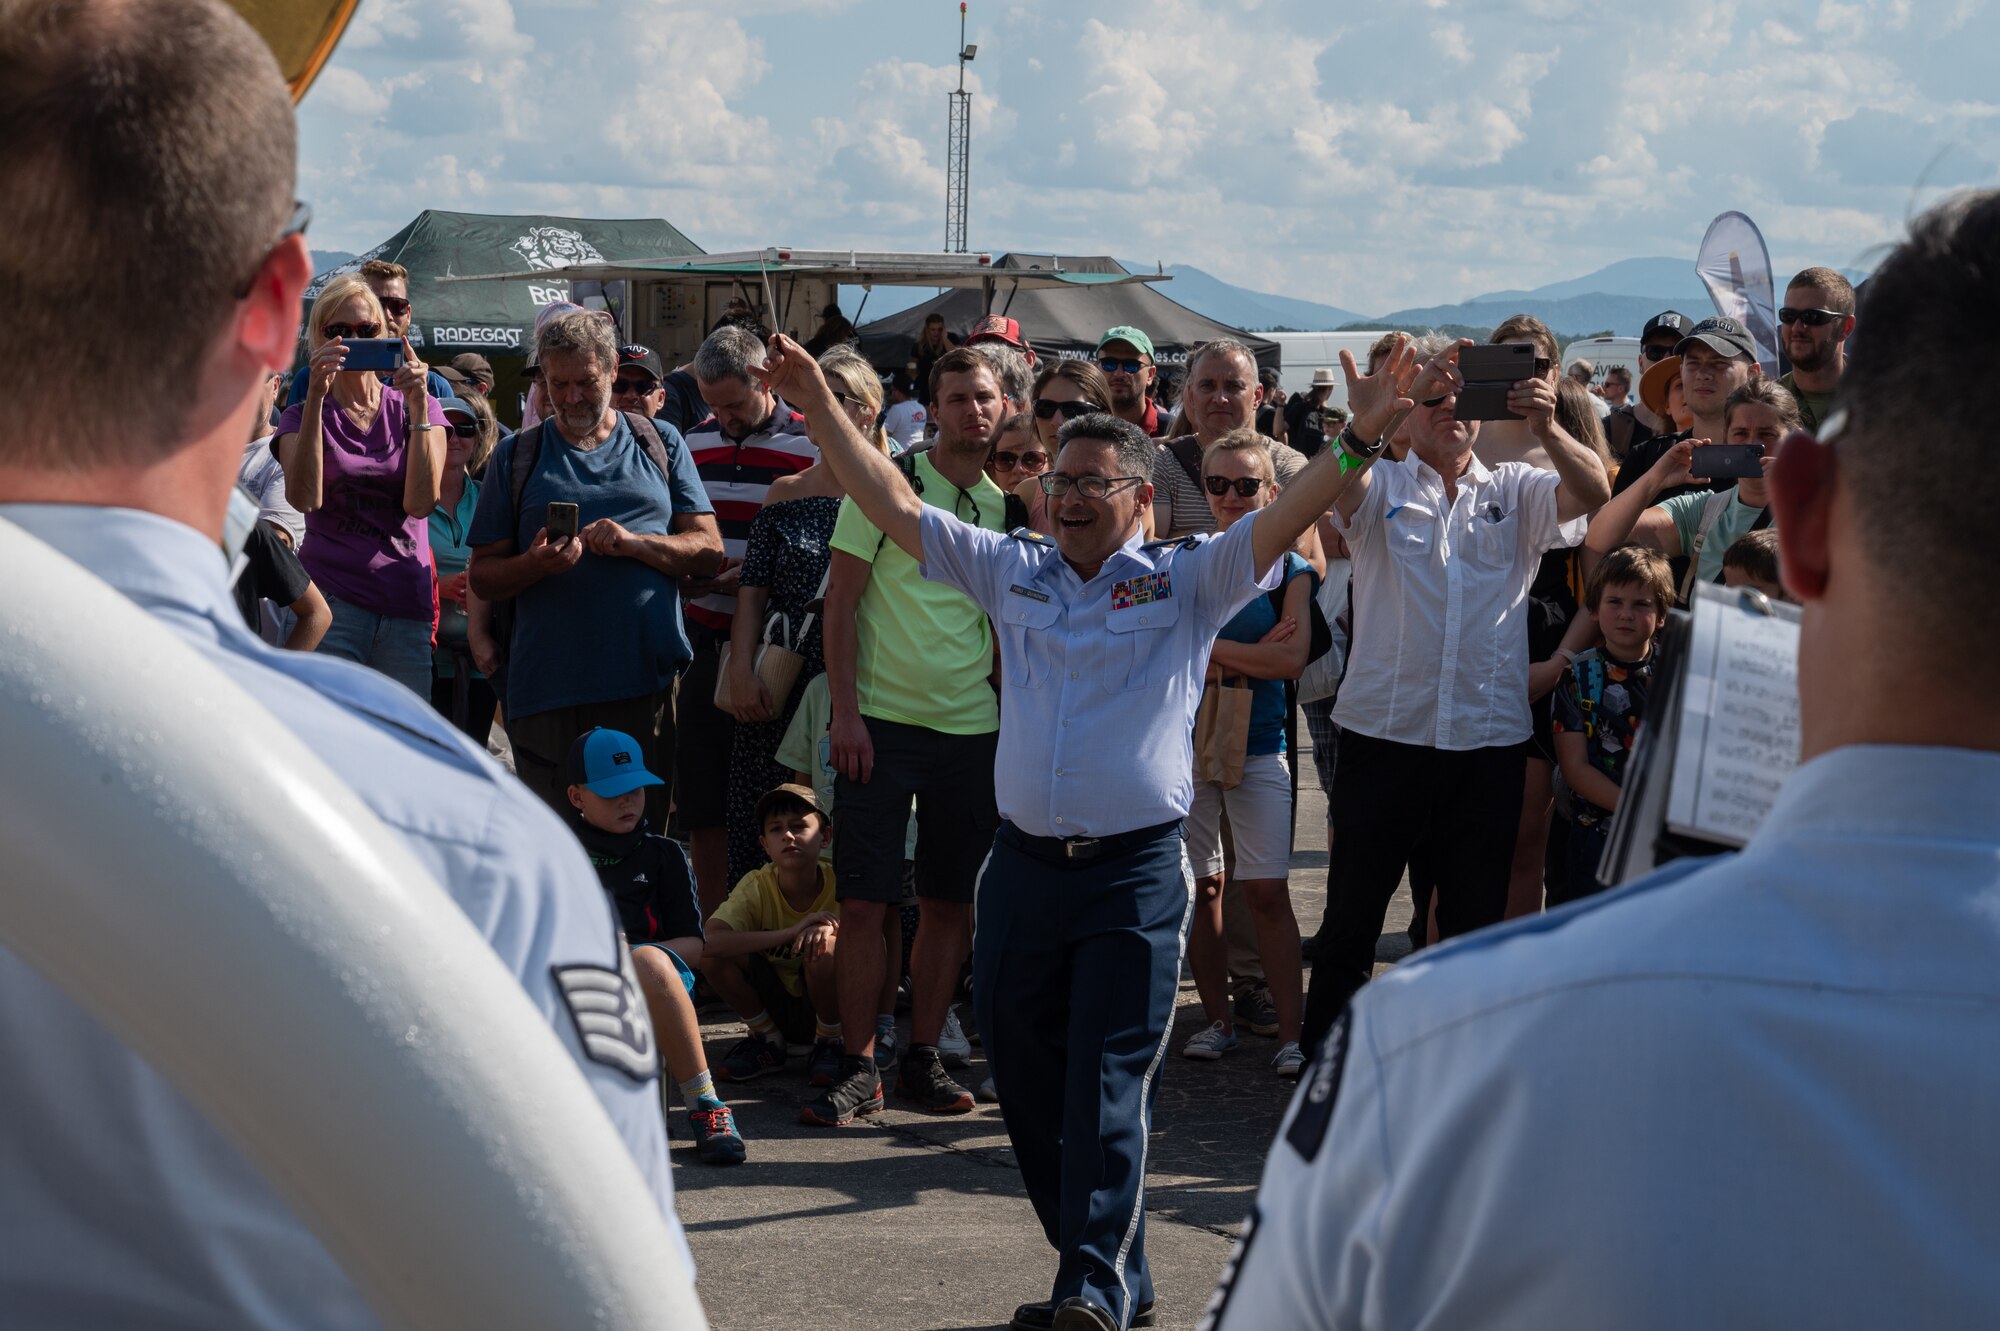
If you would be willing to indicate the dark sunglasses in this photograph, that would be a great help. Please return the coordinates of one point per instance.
(1658, 350)
(466, 431)
(639, 386)
(394, 306)
(1009, 461)
(1810, 318)
(345, 331)
(1437, 401)
(1046, 408)
(1111, 366)
(1245, 486)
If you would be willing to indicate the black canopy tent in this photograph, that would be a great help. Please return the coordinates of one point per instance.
(1059, 322)
(497, 319)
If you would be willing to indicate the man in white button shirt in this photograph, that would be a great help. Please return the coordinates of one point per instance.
(1757, 1091)
(1433, 711)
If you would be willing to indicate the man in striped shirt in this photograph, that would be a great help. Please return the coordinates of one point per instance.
(749, 440)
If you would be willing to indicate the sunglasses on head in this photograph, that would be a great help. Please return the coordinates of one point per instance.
(639, 386)
(1046, 408)
(1004, 461)
(346, 331)
(394, 306)
(1810, 318)
(1127, 365)
(1246, 486)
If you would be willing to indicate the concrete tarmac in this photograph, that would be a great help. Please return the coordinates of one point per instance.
(910, 1222)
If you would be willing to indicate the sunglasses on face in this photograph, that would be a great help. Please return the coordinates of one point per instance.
(1009, 461)
(1657, 350)
(345, 331)
(1055, 484)
(464, 431)
(394, 306)
(1130, 365)
(1810, 318)
(639, 386)
(1046, 409)
(1246, 486)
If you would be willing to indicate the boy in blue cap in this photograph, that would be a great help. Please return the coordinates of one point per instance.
(651, 884)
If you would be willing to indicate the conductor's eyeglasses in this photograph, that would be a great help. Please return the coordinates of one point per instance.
(1056, 484)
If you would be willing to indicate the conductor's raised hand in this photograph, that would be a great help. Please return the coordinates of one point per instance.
(790, 371)
(1375, 400)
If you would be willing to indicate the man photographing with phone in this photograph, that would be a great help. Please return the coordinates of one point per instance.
(587, 528)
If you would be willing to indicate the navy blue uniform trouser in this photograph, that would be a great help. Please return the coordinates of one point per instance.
(1074, 975)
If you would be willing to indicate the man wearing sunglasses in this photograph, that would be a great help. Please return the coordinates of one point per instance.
(1083, 902)
(1634, 423)
(1816, 318)
(1125, 355)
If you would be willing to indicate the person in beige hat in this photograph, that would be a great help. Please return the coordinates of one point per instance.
(1305, 414)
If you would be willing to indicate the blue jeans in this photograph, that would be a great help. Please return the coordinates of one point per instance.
(398, 648)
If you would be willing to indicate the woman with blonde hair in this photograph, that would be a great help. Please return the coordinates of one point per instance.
(785, 560)
(364, 462)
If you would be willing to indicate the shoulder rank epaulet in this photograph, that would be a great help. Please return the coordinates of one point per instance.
(1188, 542)
(1030, 535)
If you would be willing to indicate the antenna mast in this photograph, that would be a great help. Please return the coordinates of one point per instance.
(958, 151)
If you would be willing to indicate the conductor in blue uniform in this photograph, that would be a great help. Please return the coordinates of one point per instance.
(1082, 909)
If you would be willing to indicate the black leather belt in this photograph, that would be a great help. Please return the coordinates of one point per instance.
(1074, 852)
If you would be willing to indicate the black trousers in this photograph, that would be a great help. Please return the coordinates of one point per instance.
(1454, 814)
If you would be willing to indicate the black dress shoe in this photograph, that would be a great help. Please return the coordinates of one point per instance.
(1080, 1314)
(1042, 1316)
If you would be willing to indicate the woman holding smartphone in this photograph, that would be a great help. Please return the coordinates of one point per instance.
(364, 462)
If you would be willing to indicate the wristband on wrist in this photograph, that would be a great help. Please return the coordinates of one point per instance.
(1354, 454)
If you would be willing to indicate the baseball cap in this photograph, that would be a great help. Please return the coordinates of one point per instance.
(779, 794)
(451, 376)
(448, 405)
(474, 366)
(1666, 321)
(607, 764)
(999, 328)
(644, 357)
(1128, 334)
(1723, 336)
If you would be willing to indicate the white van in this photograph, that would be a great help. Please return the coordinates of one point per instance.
(1603, 353)
(1302, 353)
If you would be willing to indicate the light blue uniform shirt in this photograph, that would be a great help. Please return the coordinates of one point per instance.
(118, 1202)
(1759, 1091)
(1101, 678)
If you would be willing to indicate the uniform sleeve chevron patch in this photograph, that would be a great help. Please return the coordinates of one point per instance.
(610, 1016)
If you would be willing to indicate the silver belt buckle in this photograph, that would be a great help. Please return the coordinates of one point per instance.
(1077, 845)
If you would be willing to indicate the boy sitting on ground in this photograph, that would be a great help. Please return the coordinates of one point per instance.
(1602, 697)
(770, 946)
(651, 884)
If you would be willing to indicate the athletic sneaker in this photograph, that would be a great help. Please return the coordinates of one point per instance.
(922, 1078)
(1210, 1043)
(952, 1046)
(885, 1046)
(749, 1058)
(1255, 1010)
(716, 1140)
(987, 1094)
(824, 1065)
(1042, 1316)
(1289, 1060)
(859, 1091)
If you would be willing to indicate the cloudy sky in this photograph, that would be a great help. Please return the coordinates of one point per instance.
(1371, 156)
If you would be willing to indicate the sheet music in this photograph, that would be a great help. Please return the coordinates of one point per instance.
(1739, 716)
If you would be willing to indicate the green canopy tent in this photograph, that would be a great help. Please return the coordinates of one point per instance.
(496, 319)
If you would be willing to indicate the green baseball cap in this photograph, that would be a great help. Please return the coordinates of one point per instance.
(1126, 333)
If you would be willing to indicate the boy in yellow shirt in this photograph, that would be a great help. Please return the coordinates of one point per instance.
(769, 952)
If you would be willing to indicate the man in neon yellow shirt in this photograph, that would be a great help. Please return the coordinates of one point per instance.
(909, 664)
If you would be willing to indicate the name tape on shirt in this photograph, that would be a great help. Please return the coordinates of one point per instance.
(1142, 591)
(1315, 1114)
(1029, 592)
(610, 1016)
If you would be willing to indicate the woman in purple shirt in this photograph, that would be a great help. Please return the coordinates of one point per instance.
(363, 461)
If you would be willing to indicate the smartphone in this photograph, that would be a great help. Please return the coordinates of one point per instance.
(1490, 374)
(561, 521)
(373, 353)
(1727, 461)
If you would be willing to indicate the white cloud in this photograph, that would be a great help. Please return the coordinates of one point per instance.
(1369, 158)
